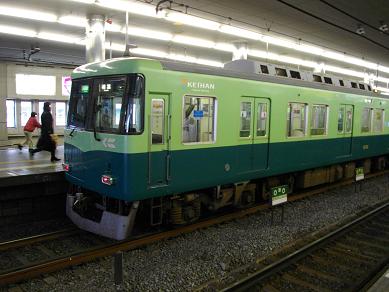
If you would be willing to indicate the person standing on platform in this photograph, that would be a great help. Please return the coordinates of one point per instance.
(46, 142)
(29, 128)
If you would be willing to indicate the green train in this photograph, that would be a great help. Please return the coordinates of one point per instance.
(157, 142)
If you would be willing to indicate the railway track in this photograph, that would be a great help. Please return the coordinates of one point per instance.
(94, 247)
(346, 259)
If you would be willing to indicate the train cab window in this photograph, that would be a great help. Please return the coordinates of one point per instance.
(281, 72)
(296, 119)
(295, 74)
(366, 120)
(261, 119)
(245, 119)
(134, 109)
(264, 69)
(378, 120)
(157, 121)
(109, 94)
(317, 78)
(328, 80)
(319, 119)
(78, 103)
(198, 124)
(341, 114)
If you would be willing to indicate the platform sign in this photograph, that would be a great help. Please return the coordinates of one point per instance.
(279, 195)
(359, 174)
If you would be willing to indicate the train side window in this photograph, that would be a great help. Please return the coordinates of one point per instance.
(157, 121)
(245, 119)
(319, 119)
(261, 119)
(378, 120)
(296, 119)
(341, 113)
(198, 119)
(366, 120)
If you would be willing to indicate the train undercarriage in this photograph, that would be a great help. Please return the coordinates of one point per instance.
(116, 219)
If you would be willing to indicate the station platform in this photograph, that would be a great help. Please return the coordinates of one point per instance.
(19, 167)
(382, 284)
(31, 187)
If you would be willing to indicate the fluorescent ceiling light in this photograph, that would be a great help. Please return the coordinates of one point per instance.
(344, 71)
(283, 59)
(17, 31)
(131, 7)
(148, 33)
(181, 39)
(59, 37)
(73, 20)
(240, 32)
(27, 13)
(182, 18)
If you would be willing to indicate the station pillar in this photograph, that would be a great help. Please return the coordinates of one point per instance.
(3, 107)
(95, 39)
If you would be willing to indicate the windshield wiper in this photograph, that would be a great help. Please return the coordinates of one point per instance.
(98, 108)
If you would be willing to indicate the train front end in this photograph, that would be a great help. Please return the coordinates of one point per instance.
(102, 145)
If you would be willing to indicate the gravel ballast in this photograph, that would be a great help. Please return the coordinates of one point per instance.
(186, 262)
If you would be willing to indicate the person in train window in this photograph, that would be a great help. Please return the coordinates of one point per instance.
(46, 141)
(28, 129)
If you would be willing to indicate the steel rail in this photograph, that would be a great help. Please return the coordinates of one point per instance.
(250, 281)
(126, 245)
(5, 245)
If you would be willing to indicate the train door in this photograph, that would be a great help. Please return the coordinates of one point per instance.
(159, 141)
(345, 128)
(253, 134)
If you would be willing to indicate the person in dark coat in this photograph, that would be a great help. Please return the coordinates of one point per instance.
(46, 142)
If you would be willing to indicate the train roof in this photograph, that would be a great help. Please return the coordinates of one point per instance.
(242, 69)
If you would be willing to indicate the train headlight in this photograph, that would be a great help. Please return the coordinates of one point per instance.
(65, 167)
(107, 179)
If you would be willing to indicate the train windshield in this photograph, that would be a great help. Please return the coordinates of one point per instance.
(113, 104)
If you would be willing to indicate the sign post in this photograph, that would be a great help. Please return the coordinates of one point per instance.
(279, 195)
(359, 177)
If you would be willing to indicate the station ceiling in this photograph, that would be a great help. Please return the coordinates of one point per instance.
(328, 24)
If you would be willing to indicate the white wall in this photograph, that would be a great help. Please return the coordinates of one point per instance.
(8, 91)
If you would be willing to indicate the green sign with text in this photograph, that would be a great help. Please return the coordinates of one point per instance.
(279, 195)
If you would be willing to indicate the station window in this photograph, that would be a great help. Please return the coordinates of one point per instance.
(317, 78)
(296, 119)
(281, 72)
(198, 119)
(328, 80)
(11, 117)
(261, 119)
(341, 114)
(341, 82)
(60, 113)
(378, 120)
(264, 69)
(157, 121)
(25, 112)
(245, 119)
(319, 119)
(366, 120)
